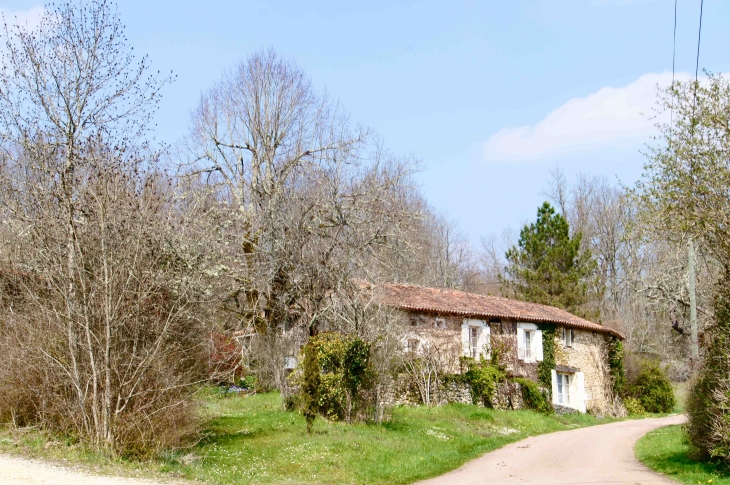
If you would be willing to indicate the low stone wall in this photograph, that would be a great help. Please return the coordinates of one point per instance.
(402, 392)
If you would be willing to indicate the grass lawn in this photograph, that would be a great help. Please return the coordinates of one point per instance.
(665, 450)
(251, 440)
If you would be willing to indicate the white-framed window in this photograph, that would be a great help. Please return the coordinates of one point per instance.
(564, 389)
(568, 388)
(528, 337)
(529, 343)
(474, 342)
(568, 337)
(475, 338)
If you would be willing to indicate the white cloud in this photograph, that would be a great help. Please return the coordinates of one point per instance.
(617, 118)
(25, 18)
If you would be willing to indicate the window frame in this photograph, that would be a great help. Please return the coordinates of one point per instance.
(563, 383)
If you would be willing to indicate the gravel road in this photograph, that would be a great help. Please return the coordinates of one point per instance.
(596, 455)
(21, 471)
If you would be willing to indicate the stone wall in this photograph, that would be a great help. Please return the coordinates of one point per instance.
(589, 354)
(400, 392)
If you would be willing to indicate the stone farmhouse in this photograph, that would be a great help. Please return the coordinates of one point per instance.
(465, 324)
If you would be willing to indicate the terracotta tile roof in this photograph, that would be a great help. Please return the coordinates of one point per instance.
(452, 302)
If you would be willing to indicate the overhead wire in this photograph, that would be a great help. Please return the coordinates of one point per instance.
(697, 61)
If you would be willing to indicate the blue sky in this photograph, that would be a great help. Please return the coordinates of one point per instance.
(490, 95)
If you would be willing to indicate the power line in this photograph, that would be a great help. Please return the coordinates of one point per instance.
(697, 62)
(674, 57)
(699, 37)
(674, 40)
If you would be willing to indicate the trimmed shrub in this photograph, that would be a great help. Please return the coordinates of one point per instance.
(533, 397)
(652, 388)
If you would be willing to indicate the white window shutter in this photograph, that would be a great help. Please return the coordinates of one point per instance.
(521, 343)
(537, 346)
(465, 350)
(577, 388)
(484, 342)
(554, 382)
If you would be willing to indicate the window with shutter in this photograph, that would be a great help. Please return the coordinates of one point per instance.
(564, 389)
(528, 344)
(474, 342)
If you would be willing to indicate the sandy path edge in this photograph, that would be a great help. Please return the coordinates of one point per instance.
(27, 471)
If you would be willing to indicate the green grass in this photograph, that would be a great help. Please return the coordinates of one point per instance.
(665, 450)
(680, 396)
(251, 440)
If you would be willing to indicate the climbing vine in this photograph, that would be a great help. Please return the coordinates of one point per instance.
(616, 364)
(544, 368)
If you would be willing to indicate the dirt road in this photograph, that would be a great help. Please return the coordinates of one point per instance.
(20, 471)
(595, 455)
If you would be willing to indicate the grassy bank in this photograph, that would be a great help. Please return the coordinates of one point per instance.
(252, 440)
(665, 450)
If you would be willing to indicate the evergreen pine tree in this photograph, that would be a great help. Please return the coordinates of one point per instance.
(547, 266)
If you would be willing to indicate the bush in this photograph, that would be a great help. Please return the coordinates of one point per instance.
(634, 407)
(336, 377)
(708, 399)
(535, 398)
(652, 388)
(483, 377)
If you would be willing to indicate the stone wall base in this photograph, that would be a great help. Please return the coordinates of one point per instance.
(401, 391)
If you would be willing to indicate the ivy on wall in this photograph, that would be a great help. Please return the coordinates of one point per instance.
(616, 364)
(544, 368)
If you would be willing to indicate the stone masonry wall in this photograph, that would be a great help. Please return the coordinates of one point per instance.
(589, 354)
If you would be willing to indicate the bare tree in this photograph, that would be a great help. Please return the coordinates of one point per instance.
(105, 332)
(306, 204)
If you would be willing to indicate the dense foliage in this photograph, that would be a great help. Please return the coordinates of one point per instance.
(652, 388)
(336, 377)
(310, 385)
(548, 266)
(616, 364)
(545, 367)
(708, 401)
(483, 377)
(535, 398)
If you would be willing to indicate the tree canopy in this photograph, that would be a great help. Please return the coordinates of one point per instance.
(548, 266)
